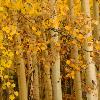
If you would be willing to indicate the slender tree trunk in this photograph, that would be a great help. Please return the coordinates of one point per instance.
(35, 78)
(74, 55)
(47, 78)
(56, 78)
(21, 71)
(97, 36)
(32, 66)
(33, 75)
(20, 67)
(91, 70)
(47, 82)
(46, 68)
(96, 17)
(1, 92)
(77, 80)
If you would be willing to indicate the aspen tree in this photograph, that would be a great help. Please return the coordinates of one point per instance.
(74, 55)
(97, 34)
(56, 78)
(32, 65)
(35, 77)
(47, 89)
(33, 74)
(96, 17)
(47, 79)
(20, 64)
(90, 71)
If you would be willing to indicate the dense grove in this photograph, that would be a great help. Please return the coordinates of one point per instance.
(49, 50)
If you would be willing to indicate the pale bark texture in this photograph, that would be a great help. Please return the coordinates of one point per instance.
(74, 55)
(56, 78)
(77, 80)
(20, 66)
(97, 36)
(21, 71)
(91, 70)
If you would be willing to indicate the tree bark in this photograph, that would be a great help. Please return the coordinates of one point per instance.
(97, 36)
(90, 71)
(74, 55)
(56, 78)
(20, 65)
(47, 78)
(21, 71)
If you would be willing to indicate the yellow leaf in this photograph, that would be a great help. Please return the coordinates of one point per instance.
(17, 53)
(2, 8)
(11, 54)
(6, 76)
(6, 29)
(10, 38)
(38, 33)
(33, 28)
(72, 74)
(11, 97)
(9, 63)
(80, 36)
(11, 33)
(56, 22)
(3, 62)
(1, 68)
(4, 86)
(13, 85)
(68, 62)
(16, 93)
(67, 28)
(1, 36)
(8, 84)
(43, 47)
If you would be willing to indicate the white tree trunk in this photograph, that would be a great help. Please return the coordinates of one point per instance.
(56, 78)
(91, 70)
